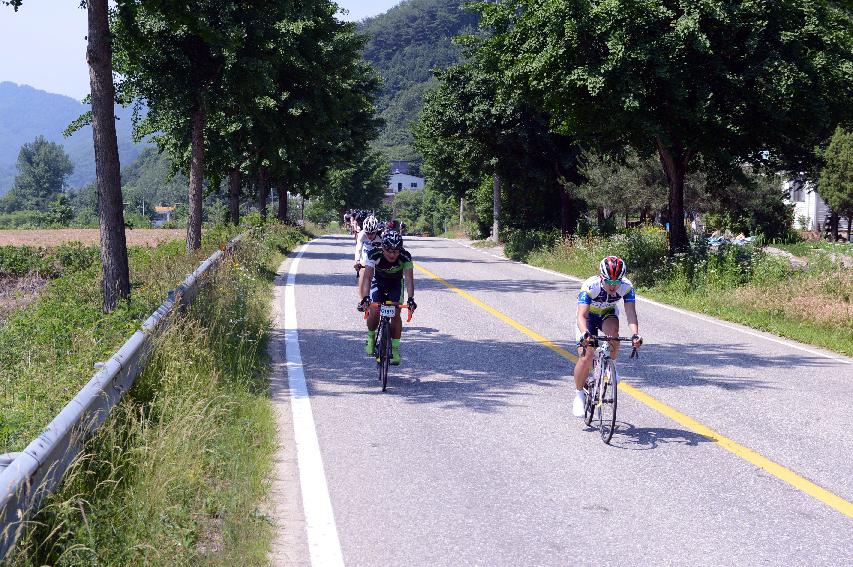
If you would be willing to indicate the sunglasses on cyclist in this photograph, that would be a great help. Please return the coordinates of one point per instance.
(613, 282)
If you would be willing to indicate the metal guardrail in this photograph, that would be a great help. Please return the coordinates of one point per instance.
(28, 476)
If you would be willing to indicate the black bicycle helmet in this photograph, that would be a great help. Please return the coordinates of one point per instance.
(392, 240)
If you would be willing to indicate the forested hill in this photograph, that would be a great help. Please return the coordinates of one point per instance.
(26, 112)
(405, 44)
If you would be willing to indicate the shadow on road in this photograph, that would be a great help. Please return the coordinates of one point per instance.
(628, 436)
(484, 377)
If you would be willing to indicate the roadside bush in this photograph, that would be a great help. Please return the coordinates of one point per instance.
(18, 261)
(318, 214)
(472, 230)
(23, 219)
(519, 243)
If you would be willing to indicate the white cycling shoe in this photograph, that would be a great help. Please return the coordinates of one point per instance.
(579, 403)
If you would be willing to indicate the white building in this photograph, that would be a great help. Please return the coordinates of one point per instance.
(402, 180)
(810, 211)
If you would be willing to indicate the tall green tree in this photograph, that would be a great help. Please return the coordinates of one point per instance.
(360, 186)
(43, 169)
(467, 131)
(116, 281)
(836, 178)
(727, 80)
(173, 56)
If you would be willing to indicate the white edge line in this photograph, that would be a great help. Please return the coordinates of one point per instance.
(705, 318)
(323, 544)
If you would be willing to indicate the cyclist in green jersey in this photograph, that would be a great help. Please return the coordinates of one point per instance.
(386, 270)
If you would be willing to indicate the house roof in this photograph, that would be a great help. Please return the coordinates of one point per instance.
(161, 210)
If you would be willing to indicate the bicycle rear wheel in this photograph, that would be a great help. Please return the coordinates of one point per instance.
(385, 354)
(606, 402)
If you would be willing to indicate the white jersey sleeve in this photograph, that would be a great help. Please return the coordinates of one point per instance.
(358, 245)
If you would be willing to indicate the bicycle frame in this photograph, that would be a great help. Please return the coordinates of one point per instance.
(382, 348)
(602, 387)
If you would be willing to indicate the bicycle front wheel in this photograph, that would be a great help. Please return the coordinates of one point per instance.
(385, 354)
(606, 402)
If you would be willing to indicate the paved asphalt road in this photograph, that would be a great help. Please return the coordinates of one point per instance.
(472, 456)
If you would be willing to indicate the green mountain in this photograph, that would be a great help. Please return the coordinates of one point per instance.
(405, 44)
(26, 112)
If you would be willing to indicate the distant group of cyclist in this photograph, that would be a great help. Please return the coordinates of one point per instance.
(354, 222)
(384, 268)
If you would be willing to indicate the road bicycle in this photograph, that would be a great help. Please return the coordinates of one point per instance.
(601, 387)
(382, 345)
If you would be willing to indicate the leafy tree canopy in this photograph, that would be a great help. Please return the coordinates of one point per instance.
(728, 80)
(836, 178)
(43, 169)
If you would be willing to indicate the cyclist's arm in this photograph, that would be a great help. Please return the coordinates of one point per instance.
(583, 314)
(366, 279)
(409, 276)
(358, 244)
(631, 315)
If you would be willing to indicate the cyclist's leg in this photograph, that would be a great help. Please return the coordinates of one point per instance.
(584, 362)
(377, 295)
(395, 294)
(610, 327)
(372, 317)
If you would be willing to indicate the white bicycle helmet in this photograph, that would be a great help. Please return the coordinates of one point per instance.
(371, 225)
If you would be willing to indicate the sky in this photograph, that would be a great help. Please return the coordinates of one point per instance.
(44, 44)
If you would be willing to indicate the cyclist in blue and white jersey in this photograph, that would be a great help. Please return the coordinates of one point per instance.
(368, 239)
(598, 310)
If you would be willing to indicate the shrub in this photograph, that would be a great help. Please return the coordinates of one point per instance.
(472, 230)
(519, 243)
(18, 261)
(318, 214)
(23, 219)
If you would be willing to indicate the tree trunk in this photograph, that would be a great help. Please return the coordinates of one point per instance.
(674, 161)
(263, 190)
(461, 211)
(496, 207)
(849, 226)
(302, 210)
(234, 196)
(568, 220)
(833, 226)
(196, 175)
(566, 212)
(116, 283)
(281, 214)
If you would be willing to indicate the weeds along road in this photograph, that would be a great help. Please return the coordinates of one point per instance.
(472, 456)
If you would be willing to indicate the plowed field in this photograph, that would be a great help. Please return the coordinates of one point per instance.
(47, 238)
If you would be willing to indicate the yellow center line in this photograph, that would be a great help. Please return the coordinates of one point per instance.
(777, 470)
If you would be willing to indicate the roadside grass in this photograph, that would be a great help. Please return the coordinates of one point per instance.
(176, 475)
(813, 306)
(807, 247)
(48, 349)
(484, 244)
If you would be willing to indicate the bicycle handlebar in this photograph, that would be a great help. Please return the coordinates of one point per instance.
(400, 305)
(634, 352)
